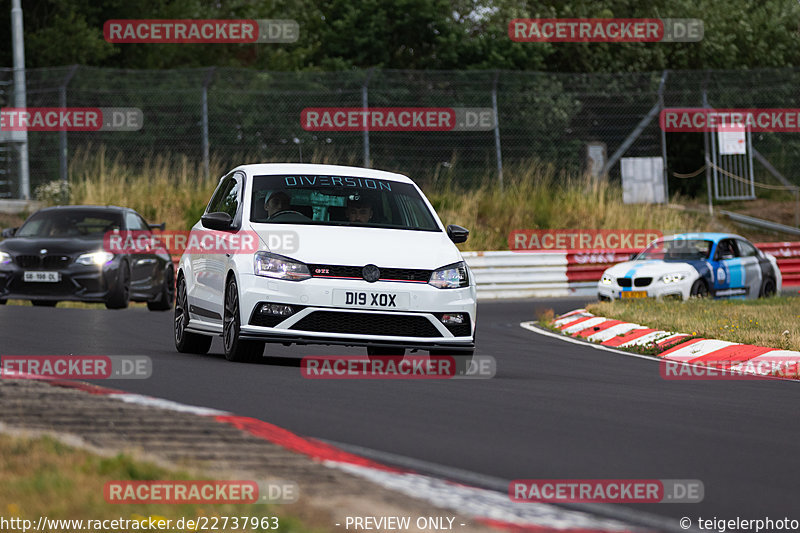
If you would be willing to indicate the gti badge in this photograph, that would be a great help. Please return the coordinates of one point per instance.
(371, 273)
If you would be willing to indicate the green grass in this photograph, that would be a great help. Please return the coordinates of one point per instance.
(772, 322)
(44, 477)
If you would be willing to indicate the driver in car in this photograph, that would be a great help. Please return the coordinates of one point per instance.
(277, 202)
(359, 211)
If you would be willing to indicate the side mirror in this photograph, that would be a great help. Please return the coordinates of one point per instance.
(218, 221)
(161, 226)
(457, 234)
(9, 232)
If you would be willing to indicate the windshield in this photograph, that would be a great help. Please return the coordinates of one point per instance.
(339, 201)
(677, 250)
(70, 223)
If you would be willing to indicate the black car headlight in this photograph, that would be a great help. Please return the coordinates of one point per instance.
(279, 267)
(95, 258)
(450, 277)
(5, 258)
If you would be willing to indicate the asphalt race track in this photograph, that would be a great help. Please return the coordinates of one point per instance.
(555, 410)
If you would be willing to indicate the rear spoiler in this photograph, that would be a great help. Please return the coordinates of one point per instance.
(161, 226)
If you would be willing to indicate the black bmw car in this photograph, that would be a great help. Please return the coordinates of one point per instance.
(58, 254)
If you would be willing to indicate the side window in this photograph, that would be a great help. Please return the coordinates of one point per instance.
(134, 223)
(746, 249)
(226, 199)
(726, 249)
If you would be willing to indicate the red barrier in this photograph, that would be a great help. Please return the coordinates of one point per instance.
(589, 265)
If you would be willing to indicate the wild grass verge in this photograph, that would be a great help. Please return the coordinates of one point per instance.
(772, 322)
(43, 477)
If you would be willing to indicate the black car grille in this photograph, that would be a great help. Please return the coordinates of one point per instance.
(367, 324)
(61, 288)
(387, 274)
(624, 282)
(642, 282)
(29, 261)
(52, 261)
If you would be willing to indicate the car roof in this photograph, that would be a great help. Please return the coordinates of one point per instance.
(87, 207)
(267, 169)
(705, 235)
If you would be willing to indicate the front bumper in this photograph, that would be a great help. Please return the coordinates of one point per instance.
(317, 320)
(657, 289)
(78, 283)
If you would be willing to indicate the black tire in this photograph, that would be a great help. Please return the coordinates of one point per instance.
(463, 359)
(768, 288)
(44, 303)
(3, 302)
(236, 349)
(186, 342)
(699, 289)
(121, 295)
(166, 297)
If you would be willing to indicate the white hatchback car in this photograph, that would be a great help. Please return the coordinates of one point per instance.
(342, 255)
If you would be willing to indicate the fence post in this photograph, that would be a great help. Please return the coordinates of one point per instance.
(498, 152)
(62, 135)
(707, 147)
(664, 136)
(365, 107)
(20, 96)
(206, 81)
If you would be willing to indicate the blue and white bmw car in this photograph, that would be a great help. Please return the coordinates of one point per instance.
(720, 265)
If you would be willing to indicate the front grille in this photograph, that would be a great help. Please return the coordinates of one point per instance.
(387, 274)
(53, 261)
(56, 261)
(29, 261)
(624, 282)
(367, 324)
(642, 282)
(61, 288)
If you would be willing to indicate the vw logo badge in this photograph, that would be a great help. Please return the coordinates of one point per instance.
(371, 273)
(43, 251)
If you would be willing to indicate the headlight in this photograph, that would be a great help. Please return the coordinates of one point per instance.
(4, 258)
(606, 279)
(280, 267)
(672, 278)
(450, 277)
(95, 258)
